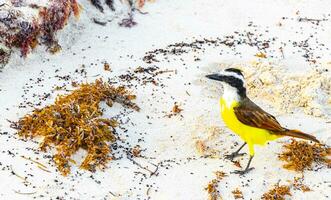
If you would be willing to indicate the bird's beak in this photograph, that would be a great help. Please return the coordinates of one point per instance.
(216, 77)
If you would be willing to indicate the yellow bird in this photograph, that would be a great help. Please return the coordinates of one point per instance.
(246, 119)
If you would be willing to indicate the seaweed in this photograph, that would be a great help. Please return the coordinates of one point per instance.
(55, 18)
(16, 32)
(277, 193)
(237, 194)
(298, 184)
(175, 111)
(213, 193)
(106, 66)
(300, 155)
(128, 22)
(74, 121)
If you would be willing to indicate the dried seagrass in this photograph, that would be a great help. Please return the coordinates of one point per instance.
(300, 155)
(277, 193)
(74, 121)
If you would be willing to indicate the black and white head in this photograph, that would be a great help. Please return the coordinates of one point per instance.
(233, 83)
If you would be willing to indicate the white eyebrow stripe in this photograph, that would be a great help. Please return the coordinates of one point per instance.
(225, 73)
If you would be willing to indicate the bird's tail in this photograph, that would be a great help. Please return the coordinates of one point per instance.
(299, 134)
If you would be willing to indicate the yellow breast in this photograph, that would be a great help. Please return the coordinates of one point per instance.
(249, 134)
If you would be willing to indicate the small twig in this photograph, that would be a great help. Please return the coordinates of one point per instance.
(20, 177)
(139, 165)
(251, 42)
(305, 19)
(38, 163)
(24, 193)
(145, 168)
(156, 169)
(165, 71)
(14, 125)
(249, 39)
(112, 193)
(96, 21)
(44, 169)
(141, 12)
(282, 52)
(148, 190)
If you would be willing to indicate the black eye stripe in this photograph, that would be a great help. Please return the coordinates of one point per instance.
(232, 79)
(237, 71)
(236, 83)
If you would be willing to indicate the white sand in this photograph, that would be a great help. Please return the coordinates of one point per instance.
(171, 140)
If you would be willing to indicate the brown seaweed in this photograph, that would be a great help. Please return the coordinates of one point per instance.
(74, 121)
(277, 193)
(300, 155)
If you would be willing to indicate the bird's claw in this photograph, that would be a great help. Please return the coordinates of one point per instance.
(233, 156)
(242, 172)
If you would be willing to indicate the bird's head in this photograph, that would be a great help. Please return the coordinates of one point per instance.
(231, 79)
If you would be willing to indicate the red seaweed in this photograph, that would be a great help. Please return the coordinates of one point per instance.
(26, 35)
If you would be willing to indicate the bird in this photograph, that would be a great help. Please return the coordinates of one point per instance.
(242, 116)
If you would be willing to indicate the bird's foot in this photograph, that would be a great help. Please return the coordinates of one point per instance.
(242, 172)
(233, 155)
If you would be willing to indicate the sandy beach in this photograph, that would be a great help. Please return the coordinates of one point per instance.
(283, 48)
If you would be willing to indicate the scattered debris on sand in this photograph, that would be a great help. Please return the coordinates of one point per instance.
(280, 192)
(176, 110)
(75, 121)
(200, 147)
(237, 194)
(300, 155)
(298, 184)
(277, 193)
(220, 175)
(106, 67)
(213, 193)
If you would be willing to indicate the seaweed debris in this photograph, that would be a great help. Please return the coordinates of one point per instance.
(277, 193)
(175, 111)
(300, 155)
(237, 194)
(213, 193)
(74, 121)
(18, 30)
(298, 184)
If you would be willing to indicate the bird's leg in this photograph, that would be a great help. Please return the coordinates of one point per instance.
(247, 169)
(236, 153)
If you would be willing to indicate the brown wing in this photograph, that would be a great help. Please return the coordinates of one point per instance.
(252, 115)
